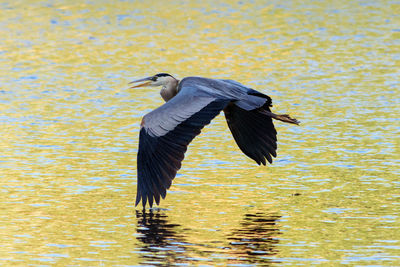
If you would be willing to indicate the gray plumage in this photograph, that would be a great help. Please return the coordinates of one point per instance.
(191, 104)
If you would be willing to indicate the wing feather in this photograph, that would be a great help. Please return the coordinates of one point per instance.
(253, 132)
(161, 151)
(168, 130)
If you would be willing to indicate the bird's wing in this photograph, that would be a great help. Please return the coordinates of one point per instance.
(253, 132)
(164, 136)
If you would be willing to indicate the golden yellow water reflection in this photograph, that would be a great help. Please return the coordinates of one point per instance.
(70, 133)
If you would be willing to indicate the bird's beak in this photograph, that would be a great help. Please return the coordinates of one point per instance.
(146, 81)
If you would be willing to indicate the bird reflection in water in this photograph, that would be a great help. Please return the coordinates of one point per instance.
(162, 245)
(255, 241)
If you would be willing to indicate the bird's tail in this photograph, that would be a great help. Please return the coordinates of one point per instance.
(281, 117)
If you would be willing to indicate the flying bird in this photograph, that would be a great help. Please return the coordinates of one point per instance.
(191, 103)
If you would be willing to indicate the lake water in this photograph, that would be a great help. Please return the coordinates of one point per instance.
(69, 133)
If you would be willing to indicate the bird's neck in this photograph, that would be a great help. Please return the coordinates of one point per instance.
(169, 90)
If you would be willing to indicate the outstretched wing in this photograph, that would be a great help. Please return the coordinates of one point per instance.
(253, 132)
(165, 134)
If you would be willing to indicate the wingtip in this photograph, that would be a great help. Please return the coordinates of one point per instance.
(138, 197)
(144, 201)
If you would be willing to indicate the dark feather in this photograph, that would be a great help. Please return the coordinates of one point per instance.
(268, 103)
(160, 157)
(167, 131)
(253, 132)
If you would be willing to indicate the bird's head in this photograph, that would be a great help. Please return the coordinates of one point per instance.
(161, 79)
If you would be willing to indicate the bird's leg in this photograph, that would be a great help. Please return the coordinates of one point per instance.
(281, 117)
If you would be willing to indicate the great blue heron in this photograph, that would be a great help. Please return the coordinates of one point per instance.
(190, 105)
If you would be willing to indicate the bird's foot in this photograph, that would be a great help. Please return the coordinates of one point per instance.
(286, 118)
(281, 117)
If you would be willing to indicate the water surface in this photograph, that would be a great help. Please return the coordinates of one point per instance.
(70, 133)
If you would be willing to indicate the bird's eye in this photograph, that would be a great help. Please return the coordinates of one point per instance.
(154, 78)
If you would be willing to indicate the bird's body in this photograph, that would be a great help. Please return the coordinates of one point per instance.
(190, 105)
